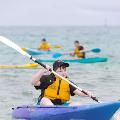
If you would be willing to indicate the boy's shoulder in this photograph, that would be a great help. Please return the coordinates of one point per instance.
(47, 77)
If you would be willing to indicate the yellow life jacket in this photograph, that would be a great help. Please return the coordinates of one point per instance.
(44, 46)
(78, 53)
(58, 90)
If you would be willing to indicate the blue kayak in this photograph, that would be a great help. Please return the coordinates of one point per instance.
(85, 60)
(98, 111)
(36, 52)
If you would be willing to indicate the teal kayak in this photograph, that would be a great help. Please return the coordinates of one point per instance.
(98, 111)
(85, 60)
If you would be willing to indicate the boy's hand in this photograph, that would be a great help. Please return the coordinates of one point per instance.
(89, 93)
(48, 68)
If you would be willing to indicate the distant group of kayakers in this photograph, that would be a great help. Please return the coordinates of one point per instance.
(78, 50)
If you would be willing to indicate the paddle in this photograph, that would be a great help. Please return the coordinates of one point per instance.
(17, 48)
(95, 50)
(52, 46)
(56, 46)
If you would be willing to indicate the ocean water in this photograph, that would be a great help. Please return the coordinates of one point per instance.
(102, 79)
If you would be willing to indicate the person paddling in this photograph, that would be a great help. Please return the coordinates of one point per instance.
(44, 45)
(78, 50)
(54, 90)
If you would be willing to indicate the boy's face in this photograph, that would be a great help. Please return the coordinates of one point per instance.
(62, 71)
(43, 42)
(76, 44)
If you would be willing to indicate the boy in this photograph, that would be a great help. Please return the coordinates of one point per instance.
(44, 45)
(54, 90)
(78, 50)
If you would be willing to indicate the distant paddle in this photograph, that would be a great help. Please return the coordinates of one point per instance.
(56, 46)
(53, 46)
(95, 50)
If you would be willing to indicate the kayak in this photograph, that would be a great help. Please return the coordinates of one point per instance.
(40, 52)
(36, 52)
(32, 65)
(85, 60)
(98, 111)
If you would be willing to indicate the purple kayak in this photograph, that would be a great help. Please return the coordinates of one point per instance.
(99, 111)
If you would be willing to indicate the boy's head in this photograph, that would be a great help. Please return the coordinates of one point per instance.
(60, 67)
(76, 43)
(58, 63)
(43, 40)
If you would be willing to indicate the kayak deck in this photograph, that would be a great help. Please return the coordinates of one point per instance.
(85, 60)
(100, 111)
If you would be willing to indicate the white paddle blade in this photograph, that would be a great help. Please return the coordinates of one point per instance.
(13, 45)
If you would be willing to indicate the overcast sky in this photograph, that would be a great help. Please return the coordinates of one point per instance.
(59, 12)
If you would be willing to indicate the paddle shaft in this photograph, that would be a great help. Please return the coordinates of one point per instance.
(95, 50)
(16, 47)
(85, 51)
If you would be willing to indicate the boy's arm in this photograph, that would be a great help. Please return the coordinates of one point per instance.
(36, 78)
(79, 93)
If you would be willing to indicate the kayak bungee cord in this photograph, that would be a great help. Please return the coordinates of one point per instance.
(19, 49)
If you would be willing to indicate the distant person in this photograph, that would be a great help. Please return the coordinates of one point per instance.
(78, 51)
(44, 45)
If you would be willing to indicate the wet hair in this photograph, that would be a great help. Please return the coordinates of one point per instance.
(76, 41)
